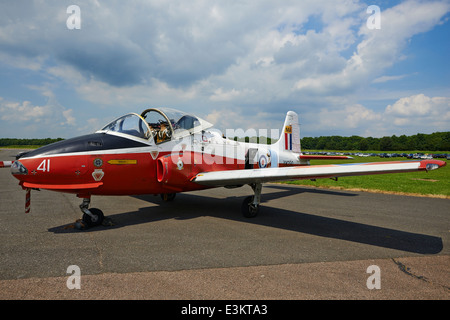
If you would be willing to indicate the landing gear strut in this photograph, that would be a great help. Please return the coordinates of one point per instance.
(250, 206)
(91, 217)
(167, 197)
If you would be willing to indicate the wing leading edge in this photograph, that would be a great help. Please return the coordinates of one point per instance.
(239, 177)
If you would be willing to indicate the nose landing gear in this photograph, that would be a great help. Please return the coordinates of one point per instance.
(91, 217)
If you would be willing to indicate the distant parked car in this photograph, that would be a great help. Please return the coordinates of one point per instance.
(440, 155)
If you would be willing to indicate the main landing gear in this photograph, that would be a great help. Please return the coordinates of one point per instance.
(91, 217)
(250, 206)
(167, 197)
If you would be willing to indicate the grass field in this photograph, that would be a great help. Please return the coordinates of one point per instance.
(434, 183)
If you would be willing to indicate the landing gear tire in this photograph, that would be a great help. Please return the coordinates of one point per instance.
(96, 220)
(249, 210)
(167, 197)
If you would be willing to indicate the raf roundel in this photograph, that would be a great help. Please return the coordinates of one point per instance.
(98, 162)
(262, 161)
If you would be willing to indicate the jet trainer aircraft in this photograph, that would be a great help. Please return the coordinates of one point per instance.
(166, 151)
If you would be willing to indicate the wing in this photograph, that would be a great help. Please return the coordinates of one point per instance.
(247, 176)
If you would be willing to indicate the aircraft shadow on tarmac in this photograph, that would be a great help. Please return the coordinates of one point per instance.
(191, 206)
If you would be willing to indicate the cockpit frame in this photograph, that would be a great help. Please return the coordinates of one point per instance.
(169, 123)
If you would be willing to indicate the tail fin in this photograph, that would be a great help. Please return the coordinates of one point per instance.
(290, 134)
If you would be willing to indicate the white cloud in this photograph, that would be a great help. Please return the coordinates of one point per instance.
(234, 121)
(418, 105)
(221, 95)
(407, 115)
(23, 111)
(353, 116)
(420, 110)
(383, 79)
(379, 49)
(51, 117)
(68, 116)
(207, 57)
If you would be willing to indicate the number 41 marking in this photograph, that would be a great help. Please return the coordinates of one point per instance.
(44, 166)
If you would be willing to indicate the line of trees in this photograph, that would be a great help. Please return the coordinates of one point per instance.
(4, 142)
(437, 141)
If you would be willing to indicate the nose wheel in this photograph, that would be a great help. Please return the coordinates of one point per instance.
(91, 217)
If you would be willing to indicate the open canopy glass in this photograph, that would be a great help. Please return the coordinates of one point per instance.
(160, 124)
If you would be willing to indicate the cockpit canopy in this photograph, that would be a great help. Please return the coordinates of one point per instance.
(131, 124)
(157, 125)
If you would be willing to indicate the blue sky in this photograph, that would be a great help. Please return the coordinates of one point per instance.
(237, 64)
